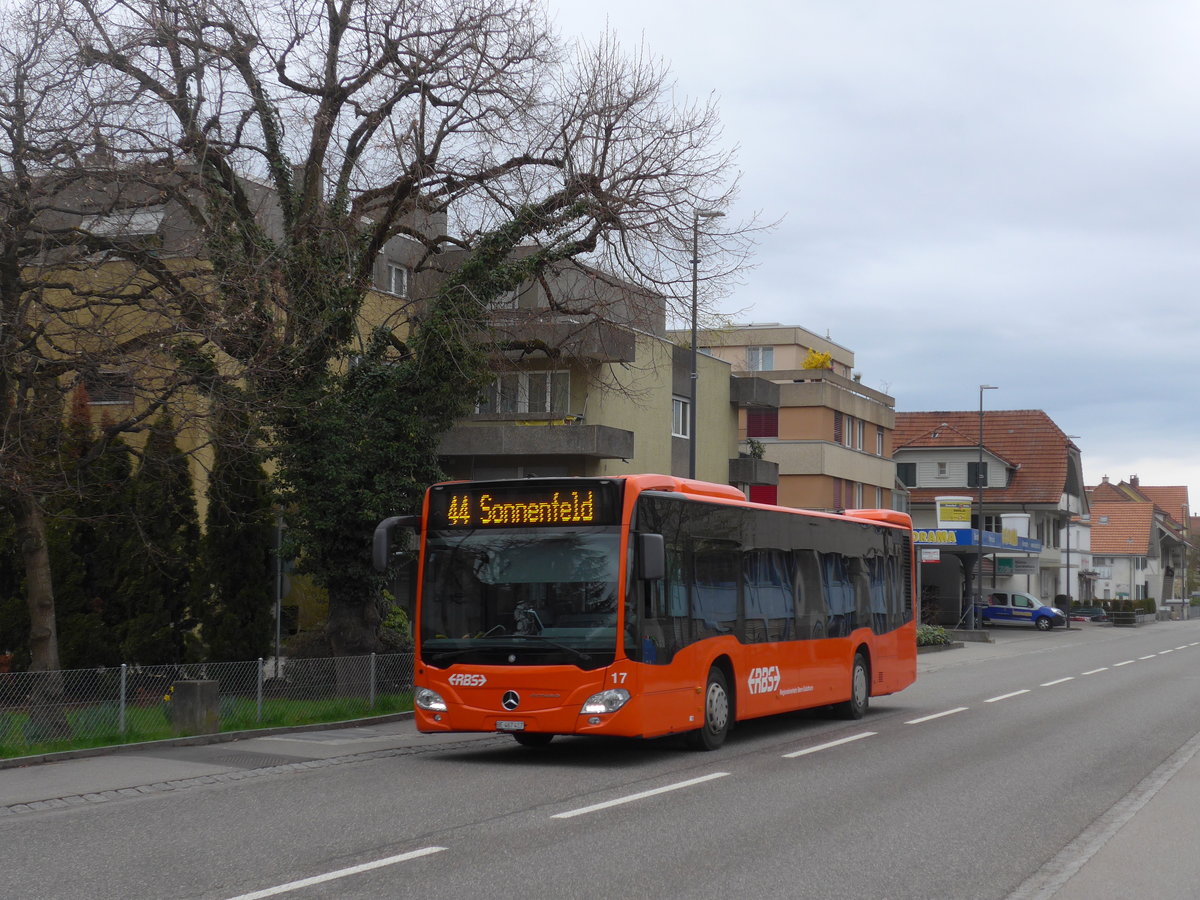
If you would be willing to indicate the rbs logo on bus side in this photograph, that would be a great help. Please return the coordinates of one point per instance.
(468, 680)
(764, 679)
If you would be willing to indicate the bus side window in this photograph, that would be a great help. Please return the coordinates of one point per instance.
(810, 595)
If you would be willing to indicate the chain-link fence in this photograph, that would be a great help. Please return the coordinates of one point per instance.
(43, 712)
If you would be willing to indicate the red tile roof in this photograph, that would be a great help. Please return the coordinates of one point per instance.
(1171, 500)
(1122, 527)
(1026, 439)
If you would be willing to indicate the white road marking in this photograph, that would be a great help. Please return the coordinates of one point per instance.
(1184, 647)
(1164, 652)
(662, 790)
(819, 747)
(1006, 696)
(948, 712)
(1151, 656)
(1128, 662)
(1094, 671)
(340, 873)
(1057, 681)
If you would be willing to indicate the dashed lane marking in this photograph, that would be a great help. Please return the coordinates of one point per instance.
(820, 747)
(1006, 696)
(948, 712)
(339, 873)
(620, 800)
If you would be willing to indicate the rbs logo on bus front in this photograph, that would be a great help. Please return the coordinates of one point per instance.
(764, 680)
(464, 680)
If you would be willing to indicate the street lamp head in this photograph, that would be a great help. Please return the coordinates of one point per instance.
(707, 214)
(988, 387)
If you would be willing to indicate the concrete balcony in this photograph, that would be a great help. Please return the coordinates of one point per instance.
(533, 438)
(525, 331)
(748, 470)
(747, 391)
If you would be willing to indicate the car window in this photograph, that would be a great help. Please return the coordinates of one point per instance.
(1023, 602)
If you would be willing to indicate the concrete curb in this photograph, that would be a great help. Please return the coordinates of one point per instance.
(937, 648)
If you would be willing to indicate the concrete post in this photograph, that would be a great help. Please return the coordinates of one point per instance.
(195, 708)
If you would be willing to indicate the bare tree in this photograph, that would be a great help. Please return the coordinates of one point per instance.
(305, 138)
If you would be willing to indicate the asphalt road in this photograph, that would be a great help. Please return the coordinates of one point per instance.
(969, 784)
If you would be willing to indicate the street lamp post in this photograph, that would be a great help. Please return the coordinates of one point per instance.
(978, 598)
(697, 215)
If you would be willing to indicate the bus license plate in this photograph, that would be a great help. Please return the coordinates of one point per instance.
(510, 726)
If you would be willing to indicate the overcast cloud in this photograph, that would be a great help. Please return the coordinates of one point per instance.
(1004, 193)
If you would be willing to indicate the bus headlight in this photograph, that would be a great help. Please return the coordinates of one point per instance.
(430, 700)
(606, 701)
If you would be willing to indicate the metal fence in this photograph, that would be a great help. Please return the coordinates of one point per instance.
(42, 712)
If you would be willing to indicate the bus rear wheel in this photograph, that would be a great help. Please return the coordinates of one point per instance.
(713, 732)
(860, 690)
(532, 739)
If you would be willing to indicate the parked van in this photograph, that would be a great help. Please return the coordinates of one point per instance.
(1017, 608)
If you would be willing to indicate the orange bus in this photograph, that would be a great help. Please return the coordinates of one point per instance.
(648, 605)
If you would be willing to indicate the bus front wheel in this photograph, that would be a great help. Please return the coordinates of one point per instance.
(712, 733)
(860, 690)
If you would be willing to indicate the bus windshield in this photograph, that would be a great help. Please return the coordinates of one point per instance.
(520, 596)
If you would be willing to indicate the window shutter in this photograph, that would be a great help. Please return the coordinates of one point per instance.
(762, 423)
(764, 493)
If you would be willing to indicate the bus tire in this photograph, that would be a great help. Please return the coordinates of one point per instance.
(532, 738)
(860, 690)
(717, 709)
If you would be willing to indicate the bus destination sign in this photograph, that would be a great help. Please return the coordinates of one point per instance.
(523, 505)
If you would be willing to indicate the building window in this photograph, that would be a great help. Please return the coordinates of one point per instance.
(878, 497)
(858, 495)
(879, 442)
(943, 469)
(762, 423)
(906, 472)
(760, 359)
(397, 279)
(107, 388)
(848, 432)
(125, 223)
(837, 427)
(681, 417)
(977, 474)
(862, 430)
(527, 392)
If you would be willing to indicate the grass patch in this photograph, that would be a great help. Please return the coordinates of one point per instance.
(99, 725)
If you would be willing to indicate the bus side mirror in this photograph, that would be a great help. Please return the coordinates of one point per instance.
(381, 545)
(651, 557)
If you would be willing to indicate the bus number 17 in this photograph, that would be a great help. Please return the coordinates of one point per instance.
(619, 677)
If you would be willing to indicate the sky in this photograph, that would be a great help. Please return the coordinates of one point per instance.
(968, 192)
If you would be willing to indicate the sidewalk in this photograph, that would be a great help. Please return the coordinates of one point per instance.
(172, 765)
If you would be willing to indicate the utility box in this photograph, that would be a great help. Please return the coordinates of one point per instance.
(196, 706)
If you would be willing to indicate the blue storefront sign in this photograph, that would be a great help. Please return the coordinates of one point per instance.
(946, 538)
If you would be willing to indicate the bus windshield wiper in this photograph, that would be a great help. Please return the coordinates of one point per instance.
(537, 637)
(502, 642)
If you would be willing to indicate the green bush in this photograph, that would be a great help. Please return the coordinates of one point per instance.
(932, 635)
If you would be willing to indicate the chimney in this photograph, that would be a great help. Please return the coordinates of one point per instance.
(1133, 480)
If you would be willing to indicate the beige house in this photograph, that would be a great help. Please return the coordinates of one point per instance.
(830, 435)
(579, 397)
